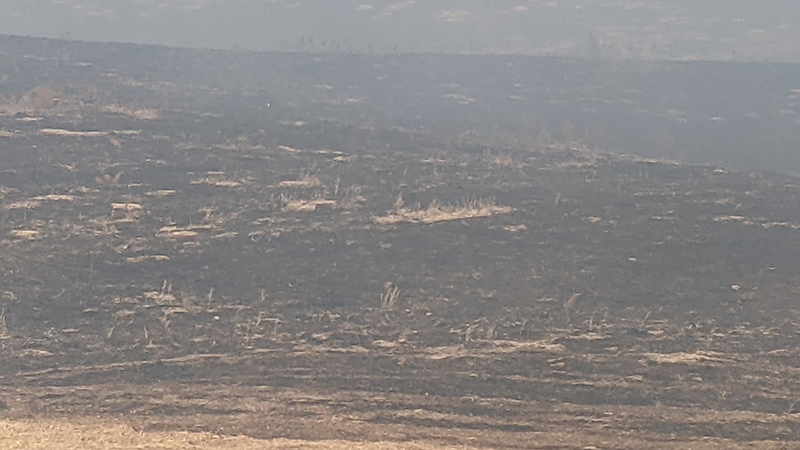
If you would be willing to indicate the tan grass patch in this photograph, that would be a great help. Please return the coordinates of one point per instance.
(307, 182)
(126, 132)
(181, 232)
(38, 99)
(646, 160)
(789, 225)
(161, 193)
(437, 212)
(515, 228)
(36, 353)
(35, 202)
(52, 101)
(138, 259)
(54, 198)
(748, 221)
(219, 179)
(217, 182)
(25, 234)
(741, 219)
(126, 206)
(139, 114)
(86, 433)
(23, 204)
(501, 159)
(301, 205)
(687, 358)
(485, 349)
(66, 133)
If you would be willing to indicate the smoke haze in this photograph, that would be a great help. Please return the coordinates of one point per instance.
(674, 30)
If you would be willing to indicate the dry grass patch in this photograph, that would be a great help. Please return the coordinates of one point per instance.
(492, 348)
(54, 198)
(687, 358)
(23, 204)
(220, 179)
(138, 114)
(67, 133)
(291, 204)
(748, 221)
(438, 212)
(25, 234)
(53, 101)
(161, 193)
(35, 202)
(515, 228)
(307, 182)
(126, 206)
(96, 434)
(181, 232)
(138, 259)
(231, 184)
(35, 101)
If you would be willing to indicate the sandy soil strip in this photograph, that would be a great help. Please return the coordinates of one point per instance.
(99, 434)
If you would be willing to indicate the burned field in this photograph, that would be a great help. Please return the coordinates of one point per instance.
(294, 280)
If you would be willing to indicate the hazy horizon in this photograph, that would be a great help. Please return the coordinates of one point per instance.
(725, 30)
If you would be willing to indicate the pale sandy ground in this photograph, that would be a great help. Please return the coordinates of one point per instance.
(97, 434)
(94, 433)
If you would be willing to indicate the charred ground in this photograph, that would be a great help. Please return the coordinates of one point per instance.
(181, 265)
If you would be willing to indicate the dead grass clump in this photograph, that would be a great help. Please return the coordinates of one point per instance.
(390, 296)
(438, 212)
(51, 100)
(54, 198)
(307, 182)
(291, 204)
(646, 160)
(139, 114)
(686, 358)
(92, 433)
(288, 149)
(66, 133)
(218, 179)
(106, 180)
(218, 183)
(126, 207)
(161, 193)
(181, 232)
(499, 159)
(515, 228)
(724, 219)
(25, 234)
(747, 221)
(23, 204)
(142, 258)
(3, 324)
(34, 102)
(788, 225)
(163, 297)
(482, 349)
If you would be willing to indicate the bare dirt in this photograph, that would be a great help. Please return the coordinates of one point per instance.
(175, 278)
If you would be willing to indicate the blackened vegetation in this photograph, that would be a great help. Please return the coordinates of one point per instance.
(182, 250)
